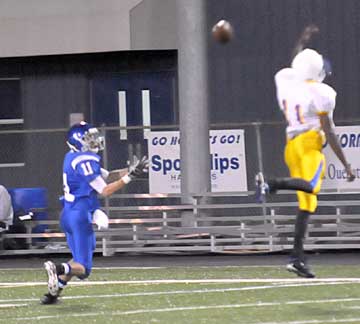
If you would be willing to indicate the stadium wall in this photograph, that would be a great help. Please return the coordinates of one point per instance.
(41, 27)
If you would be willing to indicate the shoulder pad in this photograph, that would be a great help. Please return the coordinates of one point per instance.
(325, 96)
(324, 90)
(286, 74)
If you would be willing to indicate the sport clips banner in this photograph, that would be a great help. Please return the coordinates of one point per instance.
(227, 154)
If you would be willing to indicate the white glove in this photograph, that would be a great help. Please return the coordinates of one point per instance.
(101, 219)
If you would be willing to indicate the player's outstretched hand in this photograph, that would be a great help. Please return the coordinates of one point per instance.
(138, 167)
(349, 173)
(306, 36)
(309, 31)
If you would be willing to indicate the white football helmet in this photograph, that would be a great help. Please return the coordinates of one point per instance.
(310, 65)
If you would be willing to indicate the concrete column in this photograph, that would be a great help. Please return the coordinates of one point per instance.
(193, 100)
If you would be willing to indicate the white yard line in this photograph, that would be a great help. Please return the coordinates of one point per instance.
(342, 320)
(181, 281)
(96, 268)
(12, 305)
(159, 267)
(206, 307)
(180, 292)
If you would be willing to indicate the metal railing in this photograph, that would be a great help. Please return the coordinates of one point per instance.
(227, 228)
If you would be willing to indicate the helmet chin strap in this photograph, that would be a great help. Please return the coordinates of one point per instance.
(72, 147)
(86, 148)
(94, 150)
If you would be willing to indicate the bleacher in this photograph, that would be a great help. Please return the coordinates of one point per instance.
(227, 223)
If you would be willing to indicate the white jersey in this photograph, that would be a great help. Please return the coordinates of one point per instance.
(302, 102)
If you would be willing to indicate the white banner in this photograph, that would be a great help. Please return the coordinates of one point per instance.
(335, 176)
(228, 167)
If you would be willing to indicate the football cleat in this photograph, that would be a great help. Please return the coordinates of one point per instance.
(53, 282)
(48, 299)
(300, 268)
(261, 188)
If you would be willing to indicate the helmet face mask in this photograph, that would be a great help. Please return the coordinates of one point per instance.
(310, 65)
(83, 137)
(327, 66)
(93, 141)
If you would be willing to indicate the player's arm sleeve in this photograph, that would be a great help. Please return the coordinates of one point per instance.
(98, 184)
(104, 173)
(325, 101)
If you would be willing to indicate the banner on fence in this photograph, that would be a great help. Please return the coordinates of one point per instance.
(335, 176)
(227, 153)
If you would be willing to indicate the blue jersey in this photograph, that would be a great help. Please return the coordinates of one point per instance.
(79, 169)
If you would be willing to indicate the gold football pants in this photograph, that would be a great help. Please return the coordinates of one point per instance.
(305, 160)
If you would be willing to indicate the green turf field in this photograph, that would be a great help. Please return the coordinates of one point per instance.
(187, 295)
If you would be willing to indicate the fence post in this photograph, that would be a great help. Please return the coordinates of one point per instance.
(272, 222)
(29, 239)
(104, 247)
(195, 211)
(338, 221)
(164, 222)
(107, 200)
(259, 154)
(242, 227)
(212, 243)
(134, 233)
(106, 166)
(259, 147)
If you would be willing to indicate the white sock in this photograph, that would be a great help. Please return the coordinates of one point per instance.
(61, 284)
(67, 268)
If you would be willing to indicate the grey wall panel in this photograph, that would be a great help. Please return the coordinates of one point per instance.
(38, 27)
(54, 98)
(153, 25)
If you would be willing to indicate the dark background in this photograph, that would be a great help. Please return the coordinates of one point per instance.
(241, 73)
(241, 86)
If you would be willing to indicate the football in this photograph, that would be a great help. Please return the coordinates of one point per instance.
(222, 31)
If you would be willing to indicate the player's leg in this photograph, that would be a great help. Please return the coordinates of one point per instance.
(51, 297)
(297, 263)
(293, 158)
(313, 166)
(84, 238)
(297, 184)
(80, 239)
(81, 242)
(55, 284)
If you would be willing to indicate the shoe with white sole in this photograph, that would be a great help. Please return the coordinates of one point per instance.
(261, 188)
(300, 268)
(53, 282)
